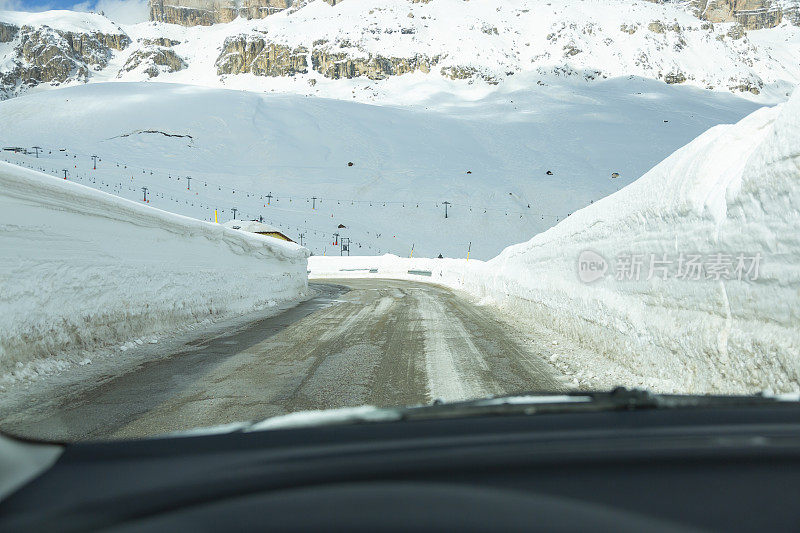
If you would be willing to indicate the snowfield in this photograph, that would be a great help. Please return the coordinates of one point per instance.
(489, 158)
(82, 269)
(731, 193)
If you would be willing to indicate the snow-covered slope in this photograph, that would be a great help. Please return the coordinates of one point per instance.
(389, 51)
(731, 194)
(490, 158)
(80, 269)
(62, 20)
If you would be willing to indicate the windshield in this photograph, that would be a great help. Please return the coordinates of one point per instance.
(216, 213)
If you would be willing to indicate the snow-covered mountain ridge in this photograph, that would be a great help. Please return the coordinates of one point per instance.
(752, 14)
(311, 48)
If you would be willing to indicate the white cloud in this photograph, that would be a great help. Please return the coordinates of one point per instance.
(122, 11)
(83, 6)
(11, 5)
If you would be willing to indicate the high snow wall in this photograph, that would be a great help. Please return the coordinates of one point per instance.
(80, 269)
(722, 208)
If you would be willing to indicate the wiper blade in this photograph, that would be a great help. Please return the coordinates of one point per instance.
(618, 399)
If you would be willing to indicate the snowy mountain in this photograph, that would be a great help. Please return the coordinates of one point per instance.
(753, 14)
(383, 50)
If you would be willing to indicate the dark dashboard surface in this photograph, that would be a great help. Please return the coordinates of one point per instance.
(733, 469)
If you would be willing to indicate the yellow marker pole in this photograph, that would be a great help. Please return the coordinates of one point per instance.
(412, 251)
(216, 220)
(468, 249)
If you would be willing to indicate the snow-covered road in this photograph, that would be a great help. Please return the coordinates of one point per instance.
(372, 341)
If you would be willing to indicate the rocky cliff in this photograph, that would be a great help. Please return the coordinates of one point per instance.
(751, 14)
(337, 65)
(244, 54)
(256, 55)
(207, 12)
(7, 32)
(153, 60)
(45, 55)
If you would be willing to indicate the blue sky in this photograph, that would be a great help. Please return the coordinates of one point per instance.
(40, 5)
(124, 11)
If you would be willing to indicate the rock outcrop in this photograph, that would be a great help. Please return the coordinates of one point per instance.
(207, 12)
(45, 55)
(792, 14)
(7, 32)
(675, 77)
(256, 55)
(751, 14)
(753, 87)
(160, 41)
(467, 73)
(154, 60)
(756, 20)
(243, 54)
(337, 65)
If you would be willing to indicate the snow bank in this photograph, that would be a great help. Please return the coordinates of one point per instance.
(81, 268)
(734, 191)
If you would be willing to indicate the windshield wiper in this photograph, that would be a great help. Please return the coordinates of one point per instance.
(618, 399)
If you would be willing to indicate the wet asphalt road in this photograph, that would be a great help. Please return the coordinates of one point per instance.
(370, 341)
